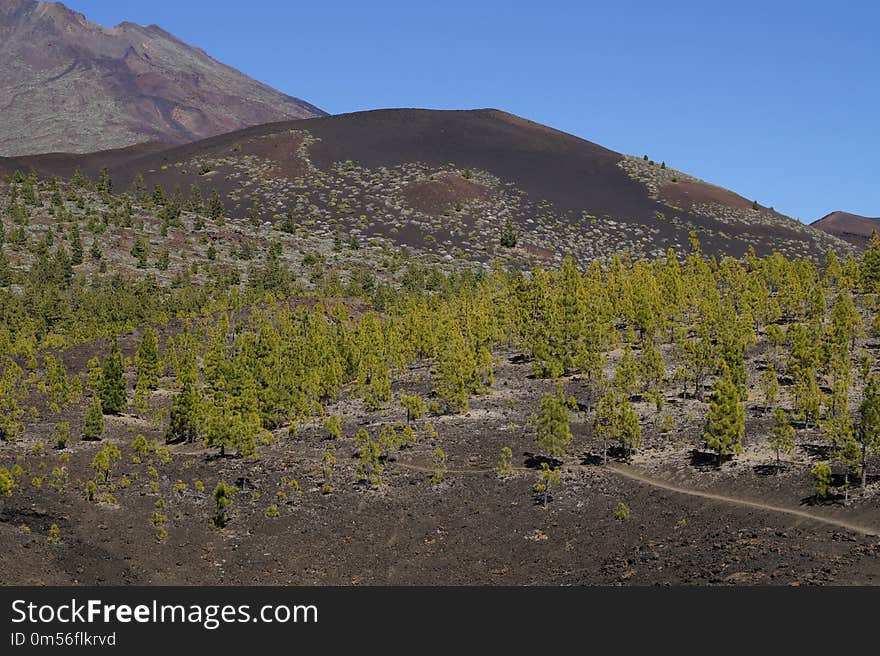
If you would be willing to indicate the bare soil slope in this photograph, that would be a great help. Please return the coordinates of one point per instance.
(855, 229)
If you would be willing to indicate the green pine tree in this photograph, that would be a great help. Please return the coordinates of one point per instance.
(222, 500)
(147, 359)
(868, 433)
(781, 435)
(112, 388)
(553, 430)
(93, 427)
(869, 268)
(725, 422)
(185, 414)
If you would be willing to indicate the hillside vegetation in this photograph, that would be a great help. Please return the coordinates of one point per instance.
(211, 377)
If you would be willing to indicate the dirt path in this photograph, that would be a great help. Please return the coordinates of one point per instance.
(635, 475)
(640, 477)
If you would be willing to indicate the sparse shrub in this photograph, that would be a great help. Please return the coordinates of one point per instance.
(505, 468)
(333, 426)
(509, 236)
(62, 435)
(159, 520)
(369, 468)
(7, 482)
(622, 512)
(440, 466)
(222, 500)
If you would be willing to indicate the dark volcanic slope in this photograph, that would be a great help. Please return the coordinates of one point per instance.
(70, 85)
(855, 229)
(65, 164)
(448, 181)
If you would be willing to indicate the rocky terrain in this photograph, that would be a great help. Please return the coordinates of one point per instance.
(69, 85)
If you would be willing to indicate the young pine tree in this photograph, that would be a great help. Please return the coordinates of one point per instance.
(781, 435)
(146, 359)
(222, 500)
(369, 468)
(725, 422)
(769, 384)
(550, 478)
(112, 387)
(868, 432)
(414, 406)
(553, 431)
(93, 427)
(185, 417)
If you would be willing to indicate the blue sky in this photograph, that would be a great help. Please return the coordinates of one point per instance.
(776, 100)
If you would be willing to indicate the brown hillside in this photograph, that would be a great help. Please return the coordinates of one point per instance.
(853, 228)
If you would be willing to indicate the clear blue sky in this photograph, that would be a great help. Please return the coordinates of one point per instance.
(778, 101)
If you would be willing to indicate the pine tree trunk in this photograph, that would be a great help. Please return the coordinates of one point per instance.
(864, 465)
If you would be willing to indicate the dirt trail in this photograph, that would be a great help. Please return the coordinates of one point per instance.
(638, 476)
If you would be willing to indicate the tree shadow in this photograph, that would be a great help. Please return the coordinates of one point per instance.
(705, 460)
(520, 358)
(243, 482)
(820, 451)
(216, 455)
(538, 498)
(592, 459)
(534, 461)
(618, 453)
(768, 470)
(831, 499)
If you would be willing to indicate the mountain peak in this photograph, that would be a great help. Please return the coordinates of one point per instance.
(854, 228)
(80, 87)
